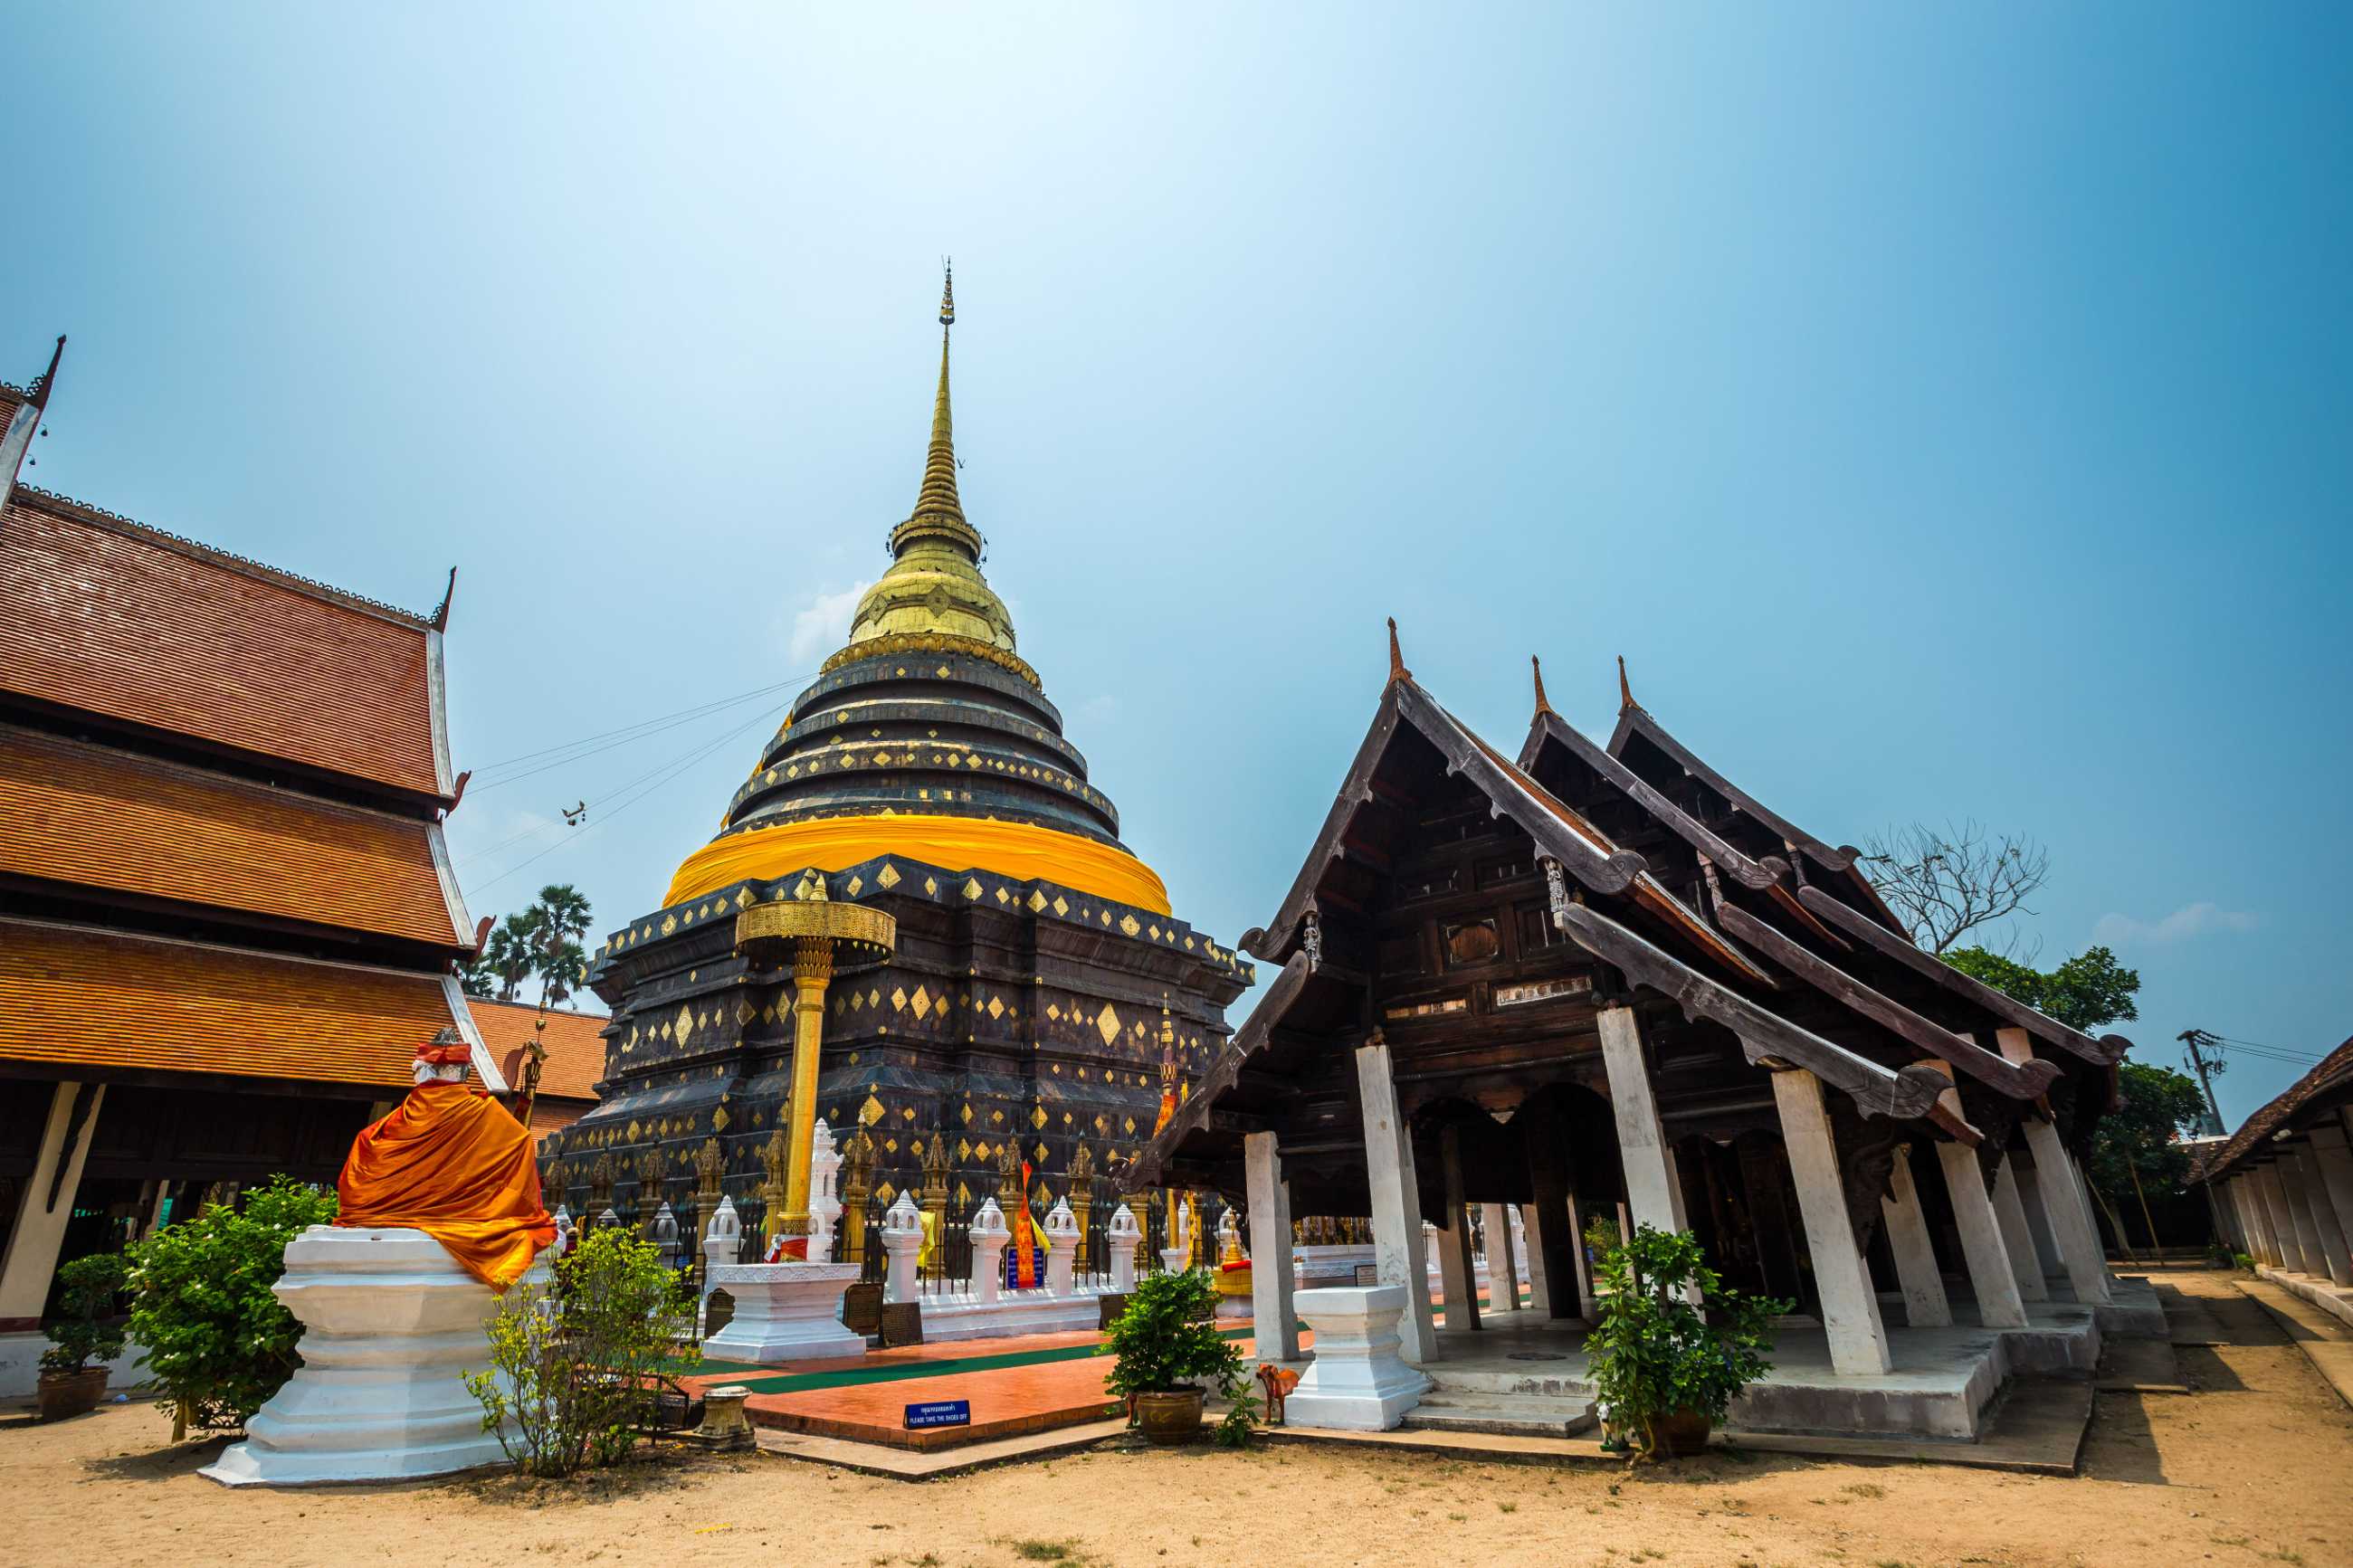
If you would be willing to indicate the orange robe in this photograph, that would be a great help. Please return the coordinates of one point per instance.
(453, 1163)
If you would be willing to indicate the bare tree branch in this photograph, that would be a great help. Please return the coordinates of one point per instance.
(1945, 883)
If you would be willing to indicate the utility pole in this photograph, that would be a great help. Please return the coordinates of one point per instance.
(2192, 1039)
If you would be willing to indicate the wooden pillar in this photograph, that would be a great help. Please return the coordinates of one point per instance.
(1999, 1304)
(2300, 1213)
(1457, 1269)
(1502, 1264)
(2249, 1203)
(1924, 1306)
(2324, 1228)
(1653, 1195)
(2024, 1266)
(2332, 1169)
(2063, 1211)
(1857, 1341)
(2285, 1238)
(1395, 1203)
(40, 1233)
(1274, 1321)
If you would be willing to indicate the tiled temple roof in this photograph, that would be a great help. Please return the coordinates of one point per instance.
(109, 616)
(94, 816)
(575, 1042)
(77, 996)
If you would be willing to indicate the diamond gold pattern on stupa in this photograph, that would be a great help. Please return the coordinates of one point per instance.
(871, 1111)
(997, 1006)
(968, 1113)
(972, 887)
(1107, 1024)
(922, 1003)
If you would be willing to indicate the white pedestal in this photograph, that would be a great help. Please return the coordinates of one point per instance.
(389, 1322)
(1357, 1381)
(784, 1311)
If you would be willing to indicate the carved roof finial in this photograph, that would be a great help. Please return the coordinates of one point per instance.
(1397, 671)
(1543, 704)
(46, 383)
(1625, 693)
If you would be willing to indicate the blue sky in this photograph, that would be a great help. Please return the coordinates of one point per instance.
(1944, 414)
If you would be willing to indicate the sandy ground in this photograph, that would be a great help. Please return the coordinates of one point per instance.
(2254, 1466)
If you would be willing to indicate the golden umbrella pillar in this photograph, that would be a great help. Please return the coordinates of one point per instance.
(818, 938)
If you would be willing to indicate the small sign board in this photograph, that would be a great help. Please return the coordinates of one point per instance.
(939, 1413)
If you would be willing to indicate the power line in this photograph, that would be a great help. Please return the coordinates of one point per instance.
(639, 734)
(696, 710)
(668, 771)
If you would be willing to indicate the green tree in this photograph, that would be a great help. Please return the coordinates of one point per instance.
(2135, 1149)
(2089, 990)
(506, 960)
(218, 1343)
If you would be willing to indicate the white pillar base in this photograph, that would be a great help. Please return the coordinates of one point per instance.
(785, 1311)
(1358, 1382)
(389, 1322)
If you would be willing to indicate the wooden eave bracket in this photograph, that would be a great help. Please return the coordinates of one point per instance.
(2101, 1052)
(2016, 1080)
(1765, 1038)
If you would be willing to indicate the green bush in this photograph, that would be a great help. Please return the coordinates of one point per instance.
(217, 1342)
(573, 1368)
(1653, 1354)
(77, 1337)
(1166, 1339)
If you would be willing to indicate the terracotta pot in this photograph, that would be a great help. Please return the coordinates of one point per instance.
(1170, 1417)
(64, 1393)
(1681, 1435)
(1684, 1432)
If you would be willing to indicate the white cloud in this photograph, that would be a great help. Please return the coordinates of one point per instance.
(823, 625)
(2190, 920)
(1099, 709)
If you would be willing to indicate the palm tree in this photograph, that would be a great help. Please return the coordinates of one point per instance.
(510, 956)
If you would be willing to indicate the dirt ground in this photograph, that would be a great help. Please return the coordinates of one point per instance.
(2254, 1466)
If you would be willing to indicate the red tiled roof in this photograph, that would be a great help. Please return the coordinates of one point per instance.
(575, 1042)
(76, 813)
(101, 613)
(76, 997)
(2333, 1071)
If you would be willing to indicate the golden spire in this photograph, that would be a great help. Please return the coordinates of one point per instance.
(1625, 693)
(938, 499)
(1397, 671)
(934, 587)
(1538, 665)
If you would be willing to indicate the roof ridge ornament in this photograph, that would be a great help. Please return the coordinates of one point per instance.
(1625, 693)
(1543, 705)
(1397, 671)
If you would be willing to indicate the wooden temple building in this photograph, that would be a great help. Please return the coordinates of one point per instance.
(575, 1044)
(1018, 990)
(1603, 980)
(2282, 1185)
(227, 909)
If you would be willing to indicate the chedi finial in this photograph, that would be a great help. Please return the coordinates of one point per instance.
(947, 294)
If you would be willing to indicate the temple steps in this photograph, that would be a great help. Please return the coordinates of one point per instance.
(1525, 1416)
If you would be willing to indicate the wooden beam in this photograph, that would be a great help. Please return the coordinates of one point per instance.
(1765, 1038)
(2043, 1027)
(2019, 1082)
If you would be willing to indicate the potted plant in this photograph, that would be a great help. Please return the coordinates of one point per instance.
(1168, 1348)
(1665, 1370)
(73, 1371)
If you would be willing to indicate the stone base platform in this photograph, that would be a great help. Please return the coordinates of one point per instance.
(2135, 1313)
(1014, 1313)
(2335, 1300)
(1941, 1386)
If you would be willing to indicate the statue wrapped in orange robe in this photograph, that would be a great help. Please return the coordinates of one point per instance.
(453, 1163)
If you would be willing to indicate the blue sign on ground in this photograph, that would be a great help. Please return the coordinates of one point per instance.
(939, 1413)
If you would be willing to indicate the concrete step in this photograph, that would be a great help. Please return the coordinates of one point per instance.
(1526, 1418)
(1534, 1381)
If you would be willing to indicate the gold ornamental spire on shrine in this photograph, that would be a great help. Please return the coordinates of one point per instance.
(937, 498)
